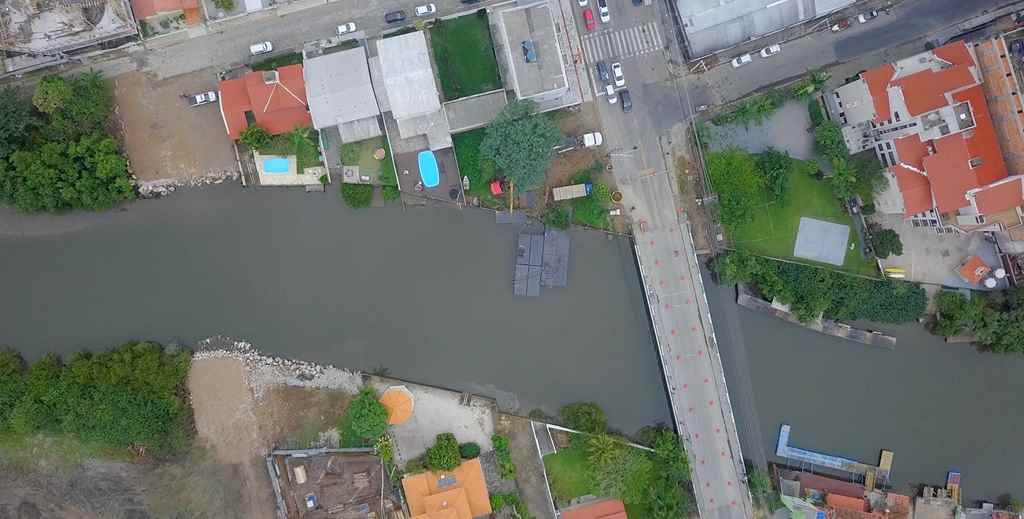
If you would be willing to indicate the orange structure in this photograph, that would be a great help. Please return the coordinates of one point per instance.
(274, 100)
(603, 509)
(459, 494)
(398, 401)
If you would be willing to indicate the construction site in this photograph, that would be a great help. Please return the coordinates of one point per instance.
(41, 33)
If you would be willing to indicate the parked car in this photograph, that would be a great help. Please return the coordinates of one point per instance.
(771, 50)
(346, 28)
(739, 61)
(529, 51)
(620, 80)
(589, 140)
(582, 3)
(841, 25)
(602, 7)
(426, 9)
(201, 98)
(610, 90)
(588, 19)
(638, 3)
(470, 1)
(264, 47)
(395, 17)
(627, 101)
(868, 16)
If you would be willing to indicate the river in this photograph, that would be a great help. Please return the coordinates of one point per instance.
(427, 294)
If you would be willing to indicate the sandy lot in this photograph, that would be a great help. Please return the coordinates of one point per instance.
(165, 138)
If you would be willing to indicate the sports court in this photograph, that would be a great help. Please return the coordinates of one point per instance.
(818, 240)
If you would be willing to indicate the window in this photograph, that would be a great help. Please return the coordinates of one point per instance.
(975, 162)
(897, 116)
(888, 145)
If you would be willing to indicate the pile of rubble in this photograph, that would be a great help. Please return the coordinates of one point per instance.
(264, 371)
(158, 188)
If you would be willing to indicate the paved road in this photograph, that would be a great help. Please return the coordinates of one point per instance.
(636, 37)
(913, 19)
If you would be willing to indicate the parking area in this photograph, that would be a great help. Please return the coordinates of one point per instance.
(929, 257)
(165, 139)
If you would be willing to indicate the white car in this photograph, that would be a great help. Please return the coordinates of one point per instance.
(582, 3)
(261, 48)
(739, 61)
(602, 7)
(620, 80)
(771, 50)
(592, 139)
(426, 10)
(346, 28)
(610, 90)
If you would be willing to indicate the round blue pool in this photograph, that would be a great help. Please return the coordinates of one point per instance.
(275, 165)
(428, 169)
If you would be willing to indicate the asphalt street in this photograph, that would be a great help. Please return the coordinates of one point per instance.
(910, 20)
(637, 141)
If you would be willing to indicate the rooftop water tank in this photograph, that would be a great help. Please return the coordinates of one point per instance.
(990, 282)
(999, 273)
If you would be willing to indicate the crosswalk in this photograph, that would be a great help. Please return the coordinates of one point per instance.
(622, 43)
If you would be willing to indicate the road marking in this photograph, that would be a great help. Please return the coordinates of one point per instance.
(621, 43)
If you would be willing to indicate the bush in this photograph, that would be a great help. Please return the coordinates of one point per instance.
(815, 113)
(365, 420)
(254, 137)
(584, 416)
(225, 5)
(602, 193)
(357, 196)
(385, 448)
(443, 456)
(886, 242)
(469, 450)
(738, 183)
(828, 141)
(501, 451)
(557, 216)
(390, 193)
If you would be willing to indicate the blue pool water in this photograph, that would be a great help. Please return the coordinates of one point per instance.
(275, 165)
(428, 169)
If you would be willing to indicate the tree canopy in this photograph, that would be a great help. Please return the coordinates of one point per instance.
(738, 183)
(774, 167)
(519, 142)
(584, 416)
(996, 320)
(886, 242)
(365, 420)
(55, 153)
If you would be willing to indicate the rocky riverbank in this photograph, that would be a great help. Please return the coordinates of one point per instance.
(159, 188)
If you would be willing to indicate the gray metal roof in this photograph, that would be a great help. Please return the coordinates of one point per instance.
(408, 75)
(338, 88)
(556, 258)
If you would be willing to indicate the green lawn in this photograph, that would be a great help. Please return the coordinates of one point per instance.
(301, 143)
(464, 55)
(471, 164)
(361, 154)
(772, 232)
(567, 474)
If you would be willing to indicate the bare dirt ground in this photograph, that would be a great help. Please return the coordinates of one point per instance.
(688, 175)
(565, 165)
(529, 468)
(165, 138)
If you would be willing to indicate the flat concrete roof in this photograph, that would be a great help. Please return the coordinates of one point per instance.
(408, 75)
(713, 25)
(338, 88)
(533, 23)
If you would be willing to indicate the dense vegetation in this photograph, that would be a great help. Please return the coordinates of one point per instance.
(811, 291)
(356, 196)
(584, 416)
(55, 153)
(591, 211)
(519, 142)
(129, 399)
(475, 166)
(365, 420)
(996, 320)
(444, 455)
(885, 242)
(504, 455)
(738, 183)
(757, 108)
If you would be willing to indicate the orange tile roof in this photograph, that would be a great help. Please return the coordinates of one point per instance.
(146, 8)
(915, 188)
(277, 107)
(926, 90)
(911, 151)
(982, 141)
(973, 270)
(878, 82)
(467, 494)
(603, 509)
(949, 173)
(849, 503)
(830, 486)
(1000, 195)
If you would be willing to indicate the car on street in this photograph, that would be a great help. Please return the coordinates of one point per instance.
(395, 17)
(588, 19)
(582, 3)
(620, 80)
(426, 9)
(263, 47)
(602, 7)
(868, 16)
(610, 91)
(201, 98)
(627, 101)
(602, 72)
(739, 61)
(841, 25)
(346, 28)
(771, 50)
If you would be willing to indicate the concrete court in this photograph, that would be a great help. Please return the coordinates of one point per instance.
(818, 240)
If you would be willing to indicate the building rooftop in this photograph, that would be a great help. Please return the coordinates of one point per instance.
(459, 494)
(275, 100)
(146, 8)
(600, 509)
(408, 75)
(330, 483)
(339, 89)
(530, 29)
(973, 270)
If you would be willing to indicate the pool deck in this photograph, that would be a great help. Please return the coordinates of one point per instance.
(290, 178)
(408, 168)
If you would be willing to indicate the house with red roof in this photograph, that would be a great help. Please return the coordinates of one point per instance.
(143, 9)
(927, 119)
(274, 100)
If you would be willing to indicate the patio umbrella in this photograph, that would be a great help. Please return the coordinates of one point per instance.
(398, 401)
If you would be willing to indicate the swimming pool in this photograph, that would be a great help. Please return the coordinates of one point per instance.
(428, 169)
(275, 165)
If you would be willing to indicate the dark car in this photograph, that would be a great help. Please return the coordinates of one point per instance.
(602, 71)
(395, 17)
(529, 51)
(627, 100)
(470, 1)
